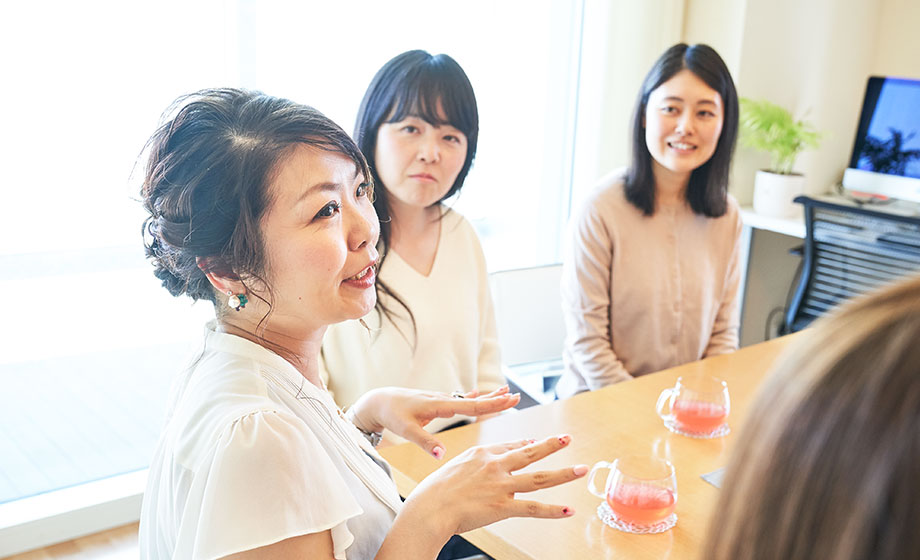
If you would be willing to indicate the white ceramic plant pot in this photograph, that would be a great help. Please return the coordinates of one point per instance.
(773, 193)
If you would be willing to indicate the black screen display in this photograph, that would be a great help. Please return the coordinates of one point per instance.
(888, 137)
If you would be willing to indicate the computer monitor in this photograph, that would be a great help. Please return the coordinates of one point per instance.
(886, 154)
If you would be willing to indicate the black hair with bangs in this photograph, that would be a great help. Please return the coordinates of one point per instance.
(413, 84)
(707, 192)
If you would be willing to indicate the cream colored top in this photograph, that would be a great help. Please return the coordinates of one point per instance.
(252, 454)
(457, 345)
(644, 293)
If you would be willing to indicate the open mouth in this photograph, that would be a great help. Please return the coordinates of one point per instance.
(681, 146)
(363, 273)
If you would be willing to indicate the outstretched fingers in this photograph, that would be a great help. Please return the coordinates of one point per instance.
(528, 482)
(476, 394)
(427, 441)
(496, 393)
(478, 406)
(520, 458)
(504, 447)
(529, 508)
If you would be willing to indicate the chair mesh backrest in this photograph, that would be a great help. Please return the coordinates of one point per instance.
(848, 252)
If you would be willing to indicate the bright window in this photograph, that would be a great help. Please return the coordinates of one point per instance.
(521, 58)
(90, 340)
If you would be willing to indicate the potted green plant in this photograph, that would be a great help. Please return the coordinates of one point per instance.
(770, 128)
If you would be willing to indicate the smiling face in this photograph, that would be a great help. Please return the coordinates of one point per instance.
(319, 234)
(417, 161)
(683, 122)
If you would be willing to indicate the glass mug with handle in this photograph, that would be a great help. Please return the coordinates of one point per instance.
(696, 406)
(640, 494)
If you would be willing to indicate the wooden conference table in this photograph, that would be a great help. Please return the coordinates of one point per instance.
(615, 421)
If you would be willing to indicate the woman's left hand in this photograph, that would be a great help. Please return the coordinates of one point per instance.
(405, 412)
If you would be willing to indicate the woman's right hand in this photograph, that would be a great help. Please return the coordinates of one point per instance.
(478, 486)
(474, 489)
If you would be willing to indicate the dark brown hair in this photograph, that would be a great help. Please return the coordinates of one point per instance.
(206, 182)
(826, 465)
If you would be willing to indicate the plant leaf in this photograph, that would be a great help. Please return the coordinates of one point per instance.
(770, 128)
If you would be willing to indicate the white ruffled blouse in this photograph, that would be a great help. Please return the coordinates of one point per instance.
(253, 454)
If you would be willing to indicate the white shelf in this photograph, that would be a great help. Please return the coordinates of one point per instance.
(793, 226)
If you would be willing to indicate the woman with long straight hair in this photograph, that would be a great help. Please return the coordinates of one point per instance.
(650, 279)
(433, 327)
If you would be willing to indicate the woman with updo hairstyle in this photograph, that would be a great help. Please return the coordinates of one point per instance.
(651, 273)
(826, 463)
(263, 207)
(433, 327)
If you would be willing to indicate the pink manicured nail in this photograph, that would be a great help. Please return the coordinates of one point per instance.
(580, 470)
(567, 511)
(564, 440)
(531, 441)
(438, 452)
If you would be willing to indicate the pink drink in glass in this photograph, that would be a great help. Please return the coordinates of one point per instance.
(639, 496)
(641, 504)
(697, 406)
(699, 416)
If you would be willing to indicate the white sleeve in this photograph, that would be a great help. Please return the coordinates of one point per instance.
(270, 479)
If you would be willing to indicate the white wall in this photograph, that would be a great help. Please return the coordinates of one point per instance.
(811, 57)
(897, 51)
(621, 40)
(719, 24)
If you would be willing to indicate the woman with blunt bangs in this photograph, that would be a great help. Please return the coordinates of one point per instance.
(826, 463)
(650, 278)
(263, 207)
(433, 326)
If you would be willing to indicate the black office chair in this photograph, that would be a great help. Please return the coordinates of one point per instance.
(849, 250)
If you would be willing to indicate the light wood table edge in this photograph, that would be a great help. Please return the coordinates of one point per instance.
(491, 541)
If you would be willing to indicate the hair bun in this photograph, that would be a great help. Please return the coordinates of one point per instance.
(176, 269)
(175, 285)
(206, 181)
